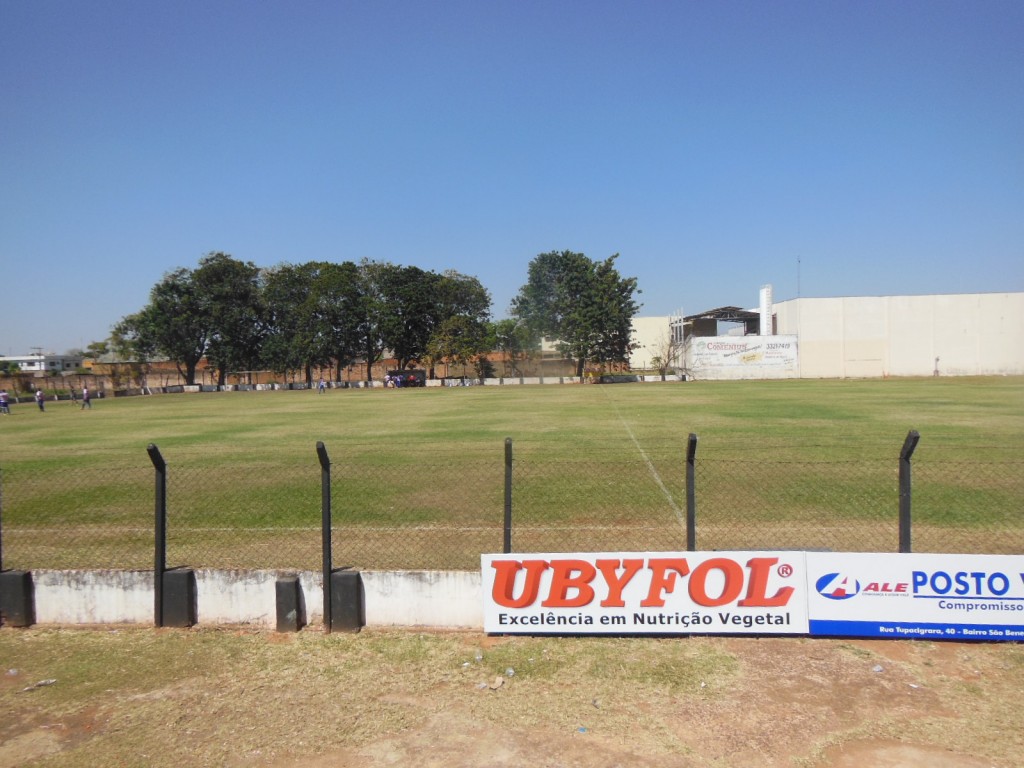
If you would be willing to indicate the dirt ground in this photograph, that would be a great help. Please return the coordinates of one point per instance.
(436, 699)
(792, 704)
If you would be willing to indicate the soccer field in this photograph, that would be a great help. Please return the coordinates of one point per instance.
(418, 476)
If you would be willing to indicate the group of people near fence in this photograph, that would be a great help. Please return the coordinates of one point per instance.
(393, 380)
(40, 399)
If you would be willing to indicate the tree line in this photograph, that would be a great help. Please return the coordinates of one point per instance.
(325, 315)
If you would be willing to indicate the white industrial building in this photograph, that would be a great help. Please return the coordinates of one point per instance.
(976, 334)
(51, 364)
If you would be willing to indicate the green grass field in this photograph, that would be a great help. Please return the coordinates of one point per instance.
(417, 475)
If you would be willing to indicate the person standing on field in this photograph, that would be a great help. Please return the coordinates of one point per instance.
(40, 400)
(86, 402)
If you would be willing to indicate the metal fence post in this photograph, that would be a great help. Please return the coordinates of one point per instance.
(325, 535)
(909, 444)
(691, 493)
(1, 520)
(507, 540)
(160, 532)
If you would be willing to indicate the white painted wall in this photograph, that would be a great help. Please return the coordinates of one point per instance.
(652, 335)
(874, 336)
(392, 598)
(93, 597)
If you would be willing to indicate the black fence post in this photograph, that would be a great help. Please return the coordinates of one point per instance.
(507, 540)
(325, 535)
(160, 532)
(1, 520)
(691, 493)
(909, 444)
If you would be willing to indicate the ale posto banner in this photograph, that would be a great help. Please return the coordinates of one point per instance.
(954, 597)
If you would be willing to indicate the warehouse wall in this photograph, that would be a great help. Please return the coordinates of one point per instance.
(874, 336)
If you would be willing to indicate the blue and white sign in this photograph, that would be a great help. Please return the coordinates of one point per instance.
(933, 596)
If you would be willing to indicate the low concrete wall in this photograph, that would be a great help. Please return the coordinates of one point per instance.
(392, 598)
(93, 597)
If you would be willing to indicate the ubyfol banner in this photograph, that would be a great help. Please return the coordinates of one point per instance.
(645, 593)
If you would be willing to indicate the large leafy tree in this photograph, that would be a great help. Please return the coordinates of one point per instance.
(213, 310)
(338, 302)
(460, 340)
(375, 326)
(404, 307)
(286, 289)
(586, 307)
(230, 291)
(458, 295)
(313, 316)
(174, 324)
(297, 317)
(407, 312)
(455, 301)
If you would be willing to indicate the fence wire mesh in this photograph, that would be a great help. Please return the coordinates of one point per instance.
(969, 506)
(92, 517)
(416, 507)
(429, 507)
(599, 499)
(809, 505)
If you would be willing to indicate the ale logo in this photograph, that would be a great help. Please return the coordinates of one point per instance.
(837, 586)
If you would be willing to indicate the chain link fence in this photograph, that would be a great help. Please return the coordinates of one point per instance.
(419, 506)
(77, 517)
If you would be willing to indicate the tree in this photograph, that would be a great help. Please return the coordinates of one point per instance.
(175, 323)
(338, 302)
(517, 343)
(461, 341)
(230, 296)
(454, 295)
(407, 312)
(97, 349)
(212, 310)
(403, 307)
(287, 346)
(586, 307)
(610, 330)
(666, 354)
(374, 281)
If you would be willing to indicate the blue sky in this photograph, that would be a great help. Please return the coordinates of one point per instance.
(827, 148)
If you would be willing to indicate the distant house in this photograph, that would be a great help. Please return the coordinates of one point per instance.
(54, 365)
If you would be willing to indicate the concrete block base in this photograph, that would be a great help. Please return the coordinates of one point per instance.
(17, 598)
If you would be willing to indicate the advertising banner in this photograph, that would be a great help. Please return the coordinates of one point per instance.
(737, 357)
(645, 593)
(938, 597)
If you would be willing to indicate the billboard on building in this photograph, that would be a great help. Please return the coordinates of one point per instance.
(743, 357)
